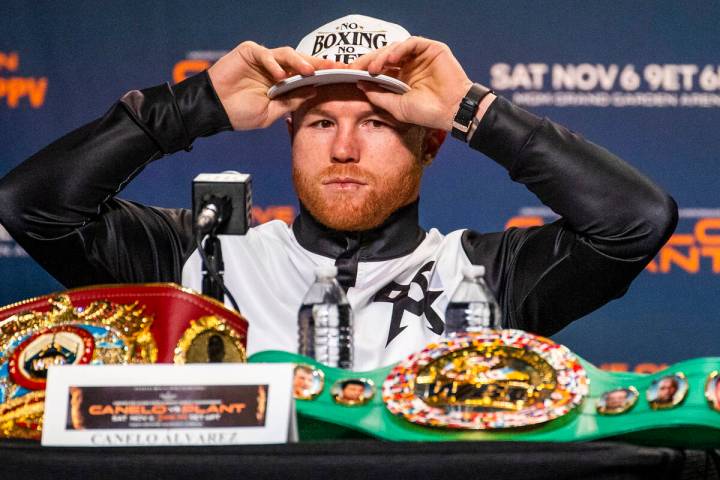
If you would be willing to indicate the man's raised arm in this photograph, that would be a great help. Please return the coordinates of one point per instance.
(59, 204)
(614, 219)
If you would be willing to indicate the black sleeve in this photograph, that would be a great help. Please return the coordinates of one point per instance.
(613, 221)
(59, 204)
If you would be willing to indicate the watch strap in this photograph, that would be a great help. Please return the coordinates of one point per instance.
(467, 110)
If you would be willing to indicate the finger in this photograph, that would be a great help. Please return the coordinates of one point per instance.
(363, 61)
(292, 60)
(385, 99)
(411, 46)
(373, 61)
(380, 61)
(266, 59)
(290, 101)
(303, 93)
(321, 63)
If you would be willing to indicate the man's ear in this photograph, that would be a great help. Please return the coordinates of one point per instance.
(434, 139)
(290, 127)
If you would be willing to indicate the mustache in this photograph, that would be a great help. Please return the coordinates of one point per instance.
(352, 171)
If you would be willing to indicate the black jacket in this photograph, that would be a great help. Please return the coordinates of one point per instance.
(60, 206)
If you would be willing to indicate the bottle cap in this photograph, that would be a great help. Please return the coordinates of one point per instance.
(473, 271)
(326, 271)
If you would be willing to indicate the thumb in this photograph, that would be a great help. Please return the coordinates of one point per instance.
(291, 101)
(385, 99)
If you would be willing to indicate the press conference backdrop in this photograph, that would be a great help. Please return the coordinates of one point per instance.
(641, 78)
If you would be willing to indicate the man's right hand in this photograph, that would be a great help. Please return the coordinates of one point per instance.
(242, 78)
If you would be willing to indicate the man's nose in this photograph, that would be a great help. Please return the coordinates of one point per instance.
(345, 145)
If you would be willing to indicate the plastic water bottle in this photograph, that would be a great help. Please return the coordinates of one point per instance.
(325, 322)
(472, 306)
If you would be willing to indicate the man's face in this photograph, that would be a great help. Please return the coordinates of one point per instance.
(76, 397)
(302, 382)
(616, 400)
(353, 164)
(666, 390)
(353, 391)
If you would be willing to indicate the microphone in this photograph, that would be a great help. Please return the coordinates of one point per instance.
(222, 203)
(215, 211)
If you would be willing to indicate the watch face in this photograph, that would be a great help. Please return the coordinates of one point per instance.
(308, 381)
(668, 391)
(353, 391)
(617, 401)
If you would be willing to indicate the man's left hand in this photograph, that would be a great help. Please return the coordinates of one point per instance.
(437, 81)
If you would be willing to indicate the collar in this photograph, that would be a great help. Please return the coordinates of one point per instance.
(399, 235)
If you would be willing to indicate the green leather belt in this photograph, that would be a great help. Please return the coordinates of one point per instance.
(690, 419)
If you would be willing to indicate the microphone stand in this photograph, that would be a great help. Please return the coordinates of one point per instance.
(213, 256)
(213, 214)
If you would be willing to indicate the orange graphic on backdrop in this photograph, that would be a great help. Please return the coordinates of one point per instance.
(187, 68)
(646, 367)
(286, 213)
(689, 252)
(9, 61)
(523, 221)
(16, 88)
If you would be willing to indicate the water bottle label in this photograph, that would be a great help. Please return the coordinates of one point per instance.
(325, 334)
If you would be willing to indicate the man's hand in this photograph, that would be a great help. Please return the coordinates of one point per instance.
(242, 78)
(437, 81)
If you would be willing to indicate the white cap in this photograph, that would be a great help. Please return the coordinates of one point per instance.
(344, 40)
(473, 271)
(326, 271)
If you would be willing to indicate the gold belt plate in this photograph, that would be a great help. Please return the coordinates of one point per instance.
(493, 379)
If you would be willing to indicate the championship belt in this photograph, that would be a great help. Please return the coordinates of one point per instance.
(110, 324)
(507, 385)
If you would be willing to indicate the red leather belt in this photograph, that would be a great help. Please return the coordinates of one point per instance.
(133, 323)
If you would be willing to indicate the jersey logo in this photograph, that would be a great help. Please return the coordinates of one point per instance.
(398, 295)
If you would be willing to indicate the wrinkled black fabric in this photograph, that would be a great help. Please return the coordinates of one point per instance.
(614, 220)
(359, 459)
(60, 206)
(398, 236)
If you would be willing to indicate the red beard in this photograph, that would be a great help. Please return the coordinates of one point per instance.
(357, 210)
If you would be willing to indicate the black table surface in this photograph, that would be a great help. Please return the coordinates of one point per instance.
(350, 459)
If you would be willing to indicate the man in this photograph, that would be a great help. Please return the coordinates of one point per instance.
(713, 393)
(358, 153)
(303, 382)
(353, 391)
(76, 418)
(617, 400)
(666, 390)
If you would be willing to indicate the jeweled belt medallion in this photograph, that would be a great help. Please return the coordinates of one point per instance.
(492, 379)
(210, 340)
(31, 342)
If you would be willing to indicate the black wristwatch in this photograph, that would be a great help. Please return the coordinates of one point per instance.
(468, 108)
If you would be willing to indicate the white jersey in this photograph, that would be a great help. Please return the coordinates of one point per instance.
(398, 304)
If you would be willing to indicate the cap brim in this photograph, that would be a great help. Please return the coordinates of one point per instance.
(327, 77)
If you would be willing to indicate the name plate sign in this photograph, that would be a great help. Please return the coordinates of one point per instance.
(169, 405)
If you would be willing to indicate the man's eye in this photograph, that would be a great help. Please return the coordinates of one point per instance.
(376, 124)
(322, 124)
